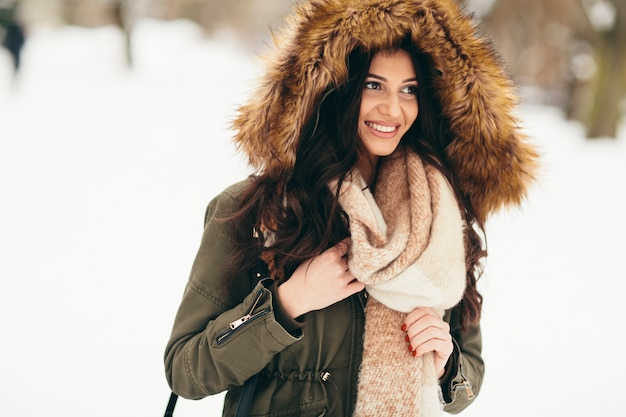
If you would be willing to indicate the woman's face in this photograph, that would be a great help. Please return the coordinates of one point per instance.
(389, 103)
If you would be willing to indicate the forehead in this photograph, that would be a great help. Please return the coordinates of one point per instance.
(393, 62)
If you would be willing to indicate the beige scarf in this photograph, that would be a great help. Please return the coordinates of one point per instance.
(407, 247)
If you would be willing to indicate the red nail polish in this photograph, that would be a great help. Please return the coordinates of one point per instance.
(407, 338)
(411, 348)
(404, 327)
(415, 353)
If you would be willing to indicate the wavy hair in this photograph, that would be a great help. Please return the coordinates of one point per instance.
(302, 215)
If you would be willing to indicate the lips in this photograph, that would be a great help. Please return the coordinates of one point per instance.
(384, 130)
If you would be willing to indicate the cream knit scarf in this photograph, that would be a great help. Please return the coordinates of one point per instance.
(407, 247)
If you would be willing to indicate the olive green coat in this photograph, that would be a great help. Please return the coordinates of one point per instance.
(308, 367)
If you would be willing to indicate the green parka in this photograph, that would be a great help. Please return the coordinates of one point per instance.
(306, 368)
(310, 367)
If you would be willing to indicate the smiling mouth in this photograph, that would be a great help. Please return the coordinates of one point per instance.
(381, 128)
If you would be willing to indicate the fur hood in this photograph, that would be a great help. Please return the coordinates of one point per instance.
(490, 159)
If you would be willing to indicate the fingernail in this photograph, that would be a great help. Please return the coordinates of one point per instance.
(404, 327)
(407, 338)
(411, 348)
(415, 353)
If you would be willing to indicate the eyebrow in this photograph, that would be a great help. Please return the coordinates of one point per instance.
(378, 77)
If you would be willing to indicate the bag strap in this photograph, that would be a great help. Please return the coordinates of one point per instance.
(243, 406)
(169, 411)
(245, 399)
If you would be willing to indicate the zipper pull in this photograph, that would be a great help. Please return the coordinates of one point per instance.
(245, 318)
(239, 322)
(469, 392)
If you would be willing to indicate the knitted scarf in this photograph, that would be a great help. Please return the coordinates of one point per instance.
(408, 248)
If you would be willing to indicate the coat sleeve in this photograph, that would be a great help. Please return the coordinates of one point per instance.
(464, 373)
(218, 343)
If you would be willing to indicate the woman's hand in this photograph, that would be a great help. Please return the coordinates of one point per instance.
(319, 282)
(427, 332)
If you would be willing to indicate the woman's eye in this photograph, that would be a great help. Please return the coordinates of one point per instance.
(410, 89)
(372, 85)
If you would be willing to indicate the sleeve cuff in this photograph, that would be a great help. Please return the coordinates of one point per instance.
(293, 326)
(451, 371)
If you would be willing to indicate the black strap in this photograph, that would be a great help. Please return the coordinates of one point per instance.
(245, 399)
(243, 406)
(169, 411)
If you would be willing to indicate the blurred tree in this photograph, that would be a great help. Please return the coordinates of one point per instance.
(94, 13)
(567, 53)
(608, 18)
(123, 13)
(250, 20)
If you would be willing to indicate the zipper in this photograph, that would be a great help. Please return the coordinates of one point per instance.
(469, 392)
(233, 325)
(363, 299)
(248, 317)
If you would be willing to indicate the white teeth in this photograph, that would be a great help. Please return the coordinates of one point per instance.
(380, 128)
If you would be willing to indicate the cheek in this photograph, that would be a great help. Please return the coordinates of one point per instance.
(363, 112)
(366, 107)
(412, 113)
(360, 131)
(409, 118)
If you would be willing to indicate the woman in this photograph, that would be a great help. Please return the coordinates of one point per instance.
(344, 272)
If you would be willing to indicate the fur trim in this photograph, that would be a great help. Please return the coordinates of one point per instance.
(490, 159)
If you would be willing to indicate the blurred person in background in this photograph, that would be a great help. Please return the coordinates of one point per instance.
(341, 276)
(12, 35)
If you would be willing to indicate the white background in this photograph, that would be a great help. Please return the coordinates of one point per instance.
(105, 173)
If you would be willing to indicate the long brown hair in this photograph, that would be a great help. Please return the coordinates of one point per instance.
(299, 211)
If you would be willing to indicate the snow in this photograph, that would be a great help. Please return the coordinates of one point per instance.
(105, 173)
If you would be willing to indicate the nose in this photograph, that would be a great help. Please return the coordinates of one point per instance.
(390, 105)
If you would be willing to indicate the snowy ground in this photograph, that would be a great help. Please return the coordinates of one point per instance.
(104, 177)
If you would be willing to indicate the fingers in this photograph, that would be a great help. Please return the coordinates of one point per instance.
(341, 249)
(427, 327)
(337, 256)
(442, 351)
(323, 280)
(426, 331)
(429, 340)
(355, 286)
(420, 313)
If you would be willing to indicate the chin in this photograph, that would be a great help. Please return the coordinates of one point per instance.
(381, 153)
